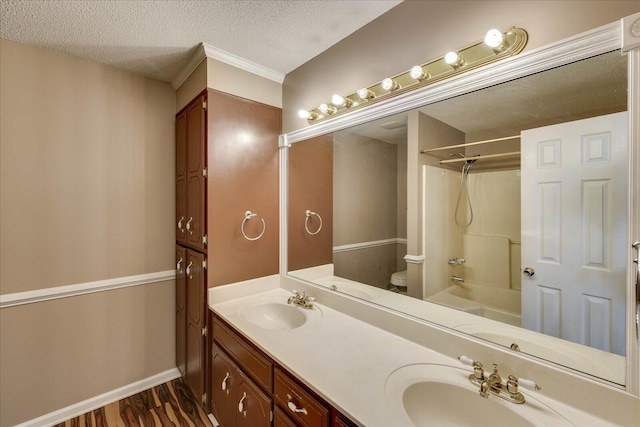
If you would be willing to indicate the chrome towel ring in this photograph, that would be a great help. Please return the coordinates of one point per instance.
(306, 222)
(247, 216)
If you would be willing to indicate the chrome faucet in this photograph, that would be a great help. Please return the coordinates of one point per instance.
(301, 299)
(493, 383)
(457, 279)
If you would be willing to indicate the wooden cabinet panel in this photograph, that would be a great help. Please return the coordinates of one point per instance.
(341, 421)
(195, 293)
(181, 177)
(191, 185)
(280, 419)
(256, 365)
(305, 409)
(181, 320)
(223, 388)
(256, 406)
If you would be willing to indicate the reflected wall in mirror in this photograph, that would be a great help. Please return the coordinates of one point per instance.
(507, 204)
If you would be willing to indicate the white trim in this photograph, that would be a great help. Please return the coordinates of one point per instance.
(632, 49)
(414, 259)
(597, 41)
(197, 58)
(371, 244)
(205, 51)
(39, 295)
(104, 399)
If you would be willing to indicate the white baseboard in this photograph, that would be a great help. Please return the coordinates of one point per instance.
(96, 402)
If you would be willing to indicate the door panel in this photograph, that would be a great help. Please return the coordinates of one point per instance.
(224, 386)
(574, 230)
(256, 406)
(181, 325)
(195, 292)
(195, 216)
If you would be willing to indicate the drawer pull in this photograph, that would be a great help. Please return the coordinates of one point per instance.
(189, 270)
(178, 265)
(293, 406)
(224, 382)
(241, 403)
(189, 225)
(180, 224)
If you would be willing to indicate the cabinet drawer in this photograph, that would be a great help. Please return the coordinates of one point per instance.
(280, 419)
(305, 409)
(254, 364)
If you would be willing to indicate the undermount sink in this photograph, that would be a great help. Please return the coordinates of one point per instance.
(430, 394)
(274, 313)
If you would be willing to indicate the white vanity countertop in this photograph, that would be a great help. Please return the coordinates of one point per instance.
(345, 360)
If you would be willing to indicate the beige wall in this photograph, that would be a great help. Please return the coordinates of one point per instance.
(417, 31)
(234, 81)
(86, 193)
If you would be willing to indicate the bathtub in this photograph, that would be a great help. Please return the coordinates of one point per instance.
(493, 303)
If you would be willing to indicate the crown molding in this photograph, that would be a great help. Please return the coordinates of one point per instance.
(205, 51)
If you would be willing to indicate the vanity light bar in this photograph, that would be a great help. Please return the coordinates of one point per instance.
(495, 46)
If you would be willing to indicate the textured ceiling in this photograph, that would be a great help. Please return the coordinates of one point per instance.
(157, 38)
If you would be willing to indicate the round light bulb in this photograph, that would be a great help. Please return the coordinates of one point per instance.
(417, 73)
(337, 100)
(326, 109)
(389, 84)
(452, 58)
(304, 114)
(365, 93)
(494, 38)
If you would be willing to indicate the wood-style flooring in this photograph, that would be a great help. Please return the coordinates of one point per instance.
(169, 404)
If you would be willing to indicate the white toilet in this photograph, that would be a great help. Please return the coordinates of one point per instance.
(399, 282)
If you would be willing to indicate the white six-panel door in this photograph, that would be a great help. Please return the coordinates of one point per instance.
(574, 230)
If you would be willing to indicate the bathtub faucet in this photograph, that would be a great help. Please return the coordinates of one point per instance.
(456, 261)
(457, 279)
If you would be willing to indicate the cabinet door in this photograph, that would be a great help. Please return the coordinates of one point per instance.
(181, 321)
(224, 385)
(254, 406)
(181, 177)
(195, 180)
(280, 419)
(195, 292)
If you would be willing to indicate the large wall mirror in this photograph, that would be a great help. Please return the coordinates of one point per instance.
(501, 213)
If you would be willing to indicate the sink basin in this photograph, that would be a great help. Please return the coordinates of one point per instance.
(274, 313)
(430, 394)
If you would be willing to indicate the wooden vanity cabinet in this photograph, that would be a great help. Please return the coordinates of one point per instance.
(235, 399)
(239, 368)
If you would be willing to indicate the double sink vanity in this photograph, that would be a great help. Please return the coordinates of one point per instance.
(341, 362)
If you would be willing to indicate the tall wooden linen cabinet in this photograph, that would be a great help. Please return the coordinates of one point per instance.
(226, 163)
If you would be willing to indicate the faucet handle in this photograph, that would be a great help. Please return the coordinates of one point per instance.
(312, 299)
(528, 384)
(466, 360)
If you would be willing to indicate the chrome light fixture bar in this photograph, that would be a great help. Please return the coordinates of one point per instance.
(495, 46)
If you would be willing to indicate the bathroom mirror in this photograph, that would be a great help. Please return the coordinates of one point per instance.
(477, 237)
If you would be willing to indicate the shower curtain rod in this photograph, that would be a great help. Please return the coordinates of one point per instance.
(469, 144)
(484, 156)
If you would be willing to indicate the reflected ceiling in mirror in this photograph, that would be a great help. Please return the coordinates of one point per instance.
(380, 199)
